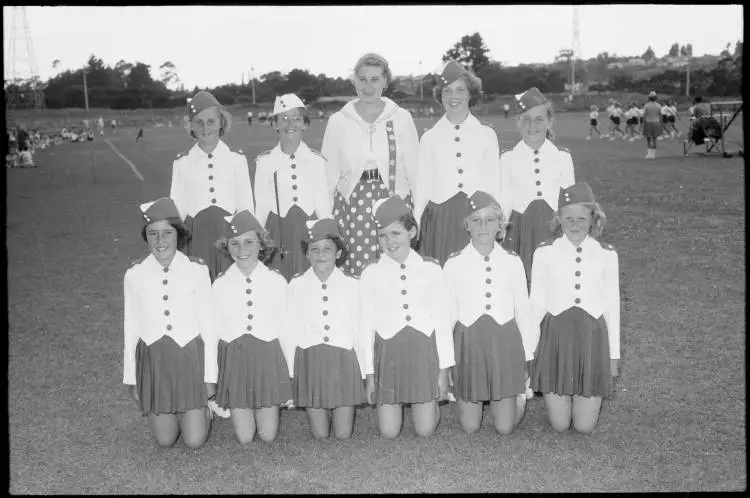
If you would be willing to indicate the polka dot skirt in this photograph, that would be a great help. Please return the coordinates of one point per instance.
(358, 225)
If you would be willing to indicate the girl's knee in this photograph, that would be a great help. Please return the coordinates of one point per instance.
(584, 427)
(471, 426)
(194, 441)
(320, 434)
(425, 430)
(560, 425)
(268, 435)
(166, 441)
(343, 433)
(245, 438)
(388, 431)
(505, 427)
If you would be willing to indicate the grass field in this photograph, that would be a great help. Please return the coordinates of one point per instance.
(677, 421)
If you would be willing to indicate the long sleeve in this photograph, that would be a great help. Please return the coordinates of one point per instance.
(506, 188)
(567, 172)
(265, 195)
(491, 161)
(450, 289)
(177, 190)
(538, 296)
(204, 301)
(522, 311)
(243, 190)
(367, 298)
(410, 144)
(292, 326)
(322, 195)
(131, 330)
(330, 150)
(612, 304)
(360, 346)
(422, 191)
(443, 329)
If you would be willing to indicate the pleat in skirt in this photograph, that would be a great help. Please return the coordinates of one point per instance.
(442, 230)
(207, 227)
(490, 360)
(252, 374)
(327, 377)
(406, 368)
(526, 231)
(293, 231)
(358, 225)
(170, 378)
(572, 357)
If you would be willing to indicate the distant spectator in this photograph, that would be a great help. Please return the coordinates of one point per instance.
(139, 137)
(249, 118)
(652, 124)
(506, 111)
(593, 122)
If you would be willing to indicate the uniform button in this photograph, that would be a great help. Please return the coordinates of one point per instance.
(458, 139)
(249, 303)
(211, 189)
(458, 154)
(248, 280)
(536, 151)
(294, 187)
(486, 258)
(578, 286)
(326, 327)
(248, 291)
(406, 306)
(165, 297)
(539, 194)
(578, 274)
(578, 260)
(249, 317)
(165, 281)
(536, 171)
(460, 171)
(249, 328)
(325, 312)
(403, 266)
(489, 294)
(579, 249)
(325, 298)
(489, 281)
(324, 286)
(538, 182)
(166, 270)
(166, 312)
(408, 318)
(294, 177)
(488, 307)
(578, 300)
(294, 166)
(326, 339)
(210, 156)
(489, 268)
(460, 185)
(169, 327)
(211, 177)
(458, 127)
(213, 201)
(403, 277)
(295, 199)
(403, 292)
(291, 156)
(210, 165)
(536, 159)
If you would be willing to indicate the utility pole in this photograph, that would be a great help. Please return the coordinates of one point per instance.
(252, 80)
(85, 90)
(687, 79)
(421, 82)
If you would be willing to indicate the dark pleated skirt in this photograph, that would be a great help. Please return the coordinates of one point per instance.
(490, 360)
(170, 378)
(358, 225)
(327, 377)
(406, 368)
(293, 231)
(572, 357)
(207, 227)
(442, 230)
(651, 129)
(526, 231)
(252, 374)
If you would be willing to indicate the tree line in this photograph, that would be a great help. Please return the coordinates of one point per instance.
(129, 85)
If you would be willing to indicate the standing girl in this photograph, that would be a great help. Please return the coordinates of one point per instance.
(249, 301)
(372, 146)
(531, 176)
(407, 336)
(493, 334)
(290, 186)
(457, 156)
(170, 351)
(594, 122)
(209, 181)
(651, 124)
(324, 325)
(575, 295)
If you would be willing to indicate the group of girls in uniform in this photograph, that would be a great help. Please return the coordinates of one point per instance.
(388, 270)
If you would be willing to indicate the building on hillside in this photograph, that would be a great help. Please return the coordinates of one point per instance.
(636, 62)
(615, 65)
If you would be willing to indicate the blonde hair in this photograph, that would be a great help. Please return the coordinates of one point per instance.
(598, 220)
(375, 60)
(225, 123)
(550, 117)
(267, 245)
(500, 235)
(473, 84)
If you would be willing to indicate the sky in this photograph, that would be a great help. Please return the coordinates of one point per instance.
(211, 46)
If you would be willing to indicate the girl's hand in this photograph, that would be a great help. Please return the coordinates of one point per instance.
(211, 389)
(442, 384)
(613, 367)
(370, 389)
(134, 395)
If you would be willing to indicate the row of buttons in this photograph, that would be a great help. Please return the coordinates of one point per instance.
(405, 306)
(326, 327)
(578, 274)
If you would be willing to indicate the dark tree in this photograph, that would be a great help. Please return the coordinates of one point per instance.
(471, 52)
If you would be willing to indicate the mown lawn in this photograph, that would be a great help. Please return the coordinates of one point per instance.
(675, 423)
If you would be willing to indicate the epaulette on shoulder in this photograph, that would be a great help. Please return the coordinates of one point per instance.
(547, 242)
(196, 259)
(182, 154)
(608, 247)
(262, 154)
(317, 152)
(505, 148)
(298, 274)
(512, 252)
(135, 263)
(430, 259)
(276, 270)
(220, 275)
(453, 255)
(561, 148)
(236, 151)
(486, 123)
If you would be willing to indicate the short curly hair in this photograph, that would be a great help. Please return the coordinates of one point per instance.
(599, 219)
(500, 235)
(267, 245)
(183, 233)
(340, 246)
(473, 84)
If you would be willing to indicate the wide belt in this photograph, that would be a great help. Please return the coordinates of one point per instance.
(370, 175)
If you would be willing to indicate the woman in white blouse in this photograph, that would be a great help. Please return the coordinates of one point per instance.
(324, 326)
(170, 350)
(457, 156)
(209, 181)
(249, 299)
(493, 333)
(371, 146)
